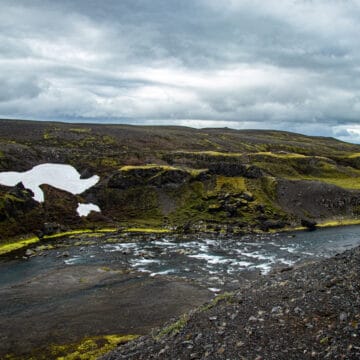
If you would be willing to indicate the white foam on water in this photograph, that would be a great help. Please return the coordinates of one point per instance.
(215, 290)
(210, 242)
(86, 209)
(119, 247)
(274, 244)
(143, 262)
(256, 255)
(72, 260)
(289, 249)
(61, 176)
(286, 261)
(243, 263)
(265, 267)
(164, 243)
(307, 253)
(165, 272)
(210, 259)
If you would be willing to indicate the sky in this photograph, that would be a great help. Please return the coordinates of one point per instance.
(277, 64)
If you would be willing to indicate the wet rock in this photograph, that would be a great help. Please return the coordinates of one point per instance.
(64, 254)
(272, 224)
(310, 224)
(29, 252)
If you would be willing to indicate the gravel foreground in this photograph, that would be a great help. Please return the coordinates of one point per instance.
(312, 311)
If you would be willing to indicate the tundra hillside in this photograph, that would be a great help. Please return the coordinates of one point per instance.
(182, 179)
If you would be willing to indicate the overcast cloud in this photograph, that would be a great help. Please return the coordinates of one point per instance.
(281, 64)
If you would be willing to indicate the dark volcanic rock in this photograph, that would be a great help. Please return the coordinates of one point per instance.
(18, 201)
(253, 172)
(51, 228)
(155, 176)
(310, 224)
(272, 224)
(59, 206)
(19, 212)
(316, 199)
(169, 177)
(308, 312)
(235, 169)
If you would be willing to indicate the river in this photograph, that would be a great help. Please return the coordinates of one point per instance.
(116, 283)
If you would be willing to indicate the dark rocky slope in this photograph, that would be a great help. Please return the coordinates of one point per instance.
(309, 312)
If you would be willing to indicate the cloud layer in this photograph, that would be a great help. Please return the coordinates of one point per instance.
(284, 64)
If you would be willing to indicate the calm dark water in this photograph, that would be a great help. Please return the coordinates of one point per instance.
(214, 263)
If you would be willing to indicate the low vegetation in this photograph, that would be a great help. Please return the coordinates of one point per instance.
(89, 348)
(178, 179)
(17, 244)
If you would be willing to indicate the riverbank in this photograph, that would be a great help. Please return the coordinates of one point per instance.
(308, 312)
(24, 241)
(91, 288)
(41, 316)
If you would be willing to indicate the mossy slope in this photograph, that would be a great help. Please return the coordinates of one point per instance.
(187, 179)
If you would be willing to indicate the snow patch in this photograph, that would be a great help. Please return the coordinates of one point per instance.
(86, 209)
(61, 176)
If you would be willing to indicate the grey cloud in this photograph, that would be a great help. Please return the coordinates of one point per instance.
(19, 88)
(291, 65)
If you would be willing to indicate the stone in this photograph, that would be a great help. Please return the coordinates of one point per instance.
(343, 316)
(29, 252)
(276, 310)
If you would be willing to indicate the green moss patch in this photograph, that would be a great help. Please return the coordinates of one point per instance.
(173, 328)
(227, 297)
(351, 183)
(80, 231)
(339, 222)
(147, 166)
(89, 348)
(147, 230)
(16, 245)
(231, 184)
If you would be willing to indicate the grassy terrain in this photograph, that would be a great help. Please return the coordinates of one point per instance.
(175, 178)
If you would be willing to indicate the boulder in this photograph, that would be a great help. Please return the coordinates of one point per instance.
(272, 224)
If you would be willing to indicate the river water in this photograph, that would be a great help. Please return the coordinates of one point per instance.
(216, 263)
(91, 285)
